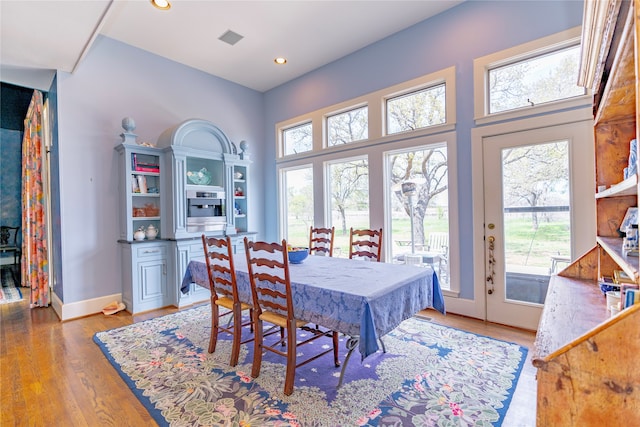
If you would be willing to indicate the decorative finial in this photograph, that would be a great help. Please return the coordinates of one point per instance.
(129, 125)
(244, 146)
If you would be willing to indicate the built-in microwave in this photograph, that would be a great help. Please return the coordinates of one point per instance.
(205, 208)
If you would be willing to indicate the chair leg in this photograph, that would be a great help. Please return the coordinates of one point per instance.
(291, 359)
(336, 361)
(237, 334)
(215, 319)
(257, 346)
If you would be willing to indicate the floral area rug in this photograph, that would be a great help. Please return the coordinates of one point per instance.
(430, 375)
(8, 291)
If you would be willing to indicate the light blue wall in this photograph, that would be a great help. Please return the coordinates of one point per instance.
(470, 30)
(11, 177)
(114, 81)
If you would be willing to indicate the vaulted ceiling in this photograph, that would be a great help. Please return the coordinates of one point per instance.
(57, 34)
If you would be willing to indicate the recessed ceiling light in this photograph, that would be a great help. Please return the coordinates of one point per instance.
(280, 60)
(161, 4)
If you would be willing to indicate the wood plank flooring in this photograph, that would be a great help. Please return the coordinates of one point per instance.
(52, 373)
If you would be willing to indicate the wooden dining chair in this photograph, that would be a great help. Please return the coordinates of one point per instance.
(321, 240)
(224, 293)
(272, 302)
(365, 244)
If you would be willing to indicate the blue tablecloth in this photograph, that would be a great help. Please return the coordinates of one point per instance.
(357, 298)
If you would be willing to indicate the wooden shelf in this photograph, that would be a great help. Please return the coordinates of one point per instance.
(628, 187)
(628, 263)
(572, 308)
(587, 373)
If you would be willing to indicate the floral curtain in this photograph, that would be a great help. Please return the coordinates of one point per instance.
(34, 234)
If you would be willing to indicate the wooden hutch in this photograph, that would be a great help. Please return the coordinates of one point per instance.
(587, 371)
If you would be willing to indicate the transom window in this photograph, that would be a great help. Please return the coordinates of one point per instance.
(416, 110)
(348, 127)
(537, 80)
(297, 139)
(537, 77)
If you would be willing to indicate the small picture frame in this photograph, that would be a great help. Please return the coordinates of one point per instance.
(630, 218)
(620, 276)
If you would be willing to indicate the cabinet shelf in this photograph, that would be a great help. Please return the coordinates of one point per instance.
(628, 187)
(145, 173)
(145, 194)
(628, 263)
(239, 197)
(146, 218)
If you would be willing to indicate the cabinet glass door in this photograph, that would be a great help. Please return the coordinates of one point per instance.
(201, 171)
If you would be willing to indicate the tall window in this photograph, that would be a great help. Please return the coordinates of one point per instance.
(298, 204)
(416, 110)
(348, 186)
(536, 80)
(419, 183)
(297, 139)
(348, 127)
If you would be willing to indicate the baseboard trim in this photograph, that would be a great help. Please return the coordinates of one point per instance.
(464, 307)
(83, 308)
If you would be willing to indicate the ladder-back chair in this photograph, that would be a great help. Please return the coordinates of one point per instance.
(224, 293)
(321, 241)
(272, 302)
(365, 244)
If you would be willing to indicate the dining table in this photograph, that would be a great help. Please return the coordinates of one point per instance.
(361, 299)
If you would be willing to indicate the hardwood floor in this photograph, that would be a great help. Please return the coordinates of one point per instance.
(52, 373)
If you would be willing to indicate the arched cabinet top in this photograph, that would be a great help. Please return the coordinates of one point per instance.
(198, 134)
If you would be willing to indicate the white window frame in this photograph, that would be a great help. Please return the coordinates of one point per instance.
(377, 120)
(325, 125)
(450, 142)
(374, 149)
(282, 193)
(280, 137)
(448, 95)
(482, 65)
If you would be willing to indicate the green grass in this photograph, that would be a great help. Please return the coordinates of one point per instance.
(524, 245)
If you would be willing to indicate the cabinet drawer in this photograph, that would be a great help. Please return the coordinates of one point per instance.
(156, 251)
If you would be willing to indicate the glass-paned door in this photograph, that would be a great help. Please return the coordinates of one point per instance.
(419, 208)
(532, 186)
(297, 204)
(348, 188)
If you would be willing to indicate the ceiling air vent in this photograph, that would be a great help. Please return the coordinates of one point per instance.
(230, 37)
